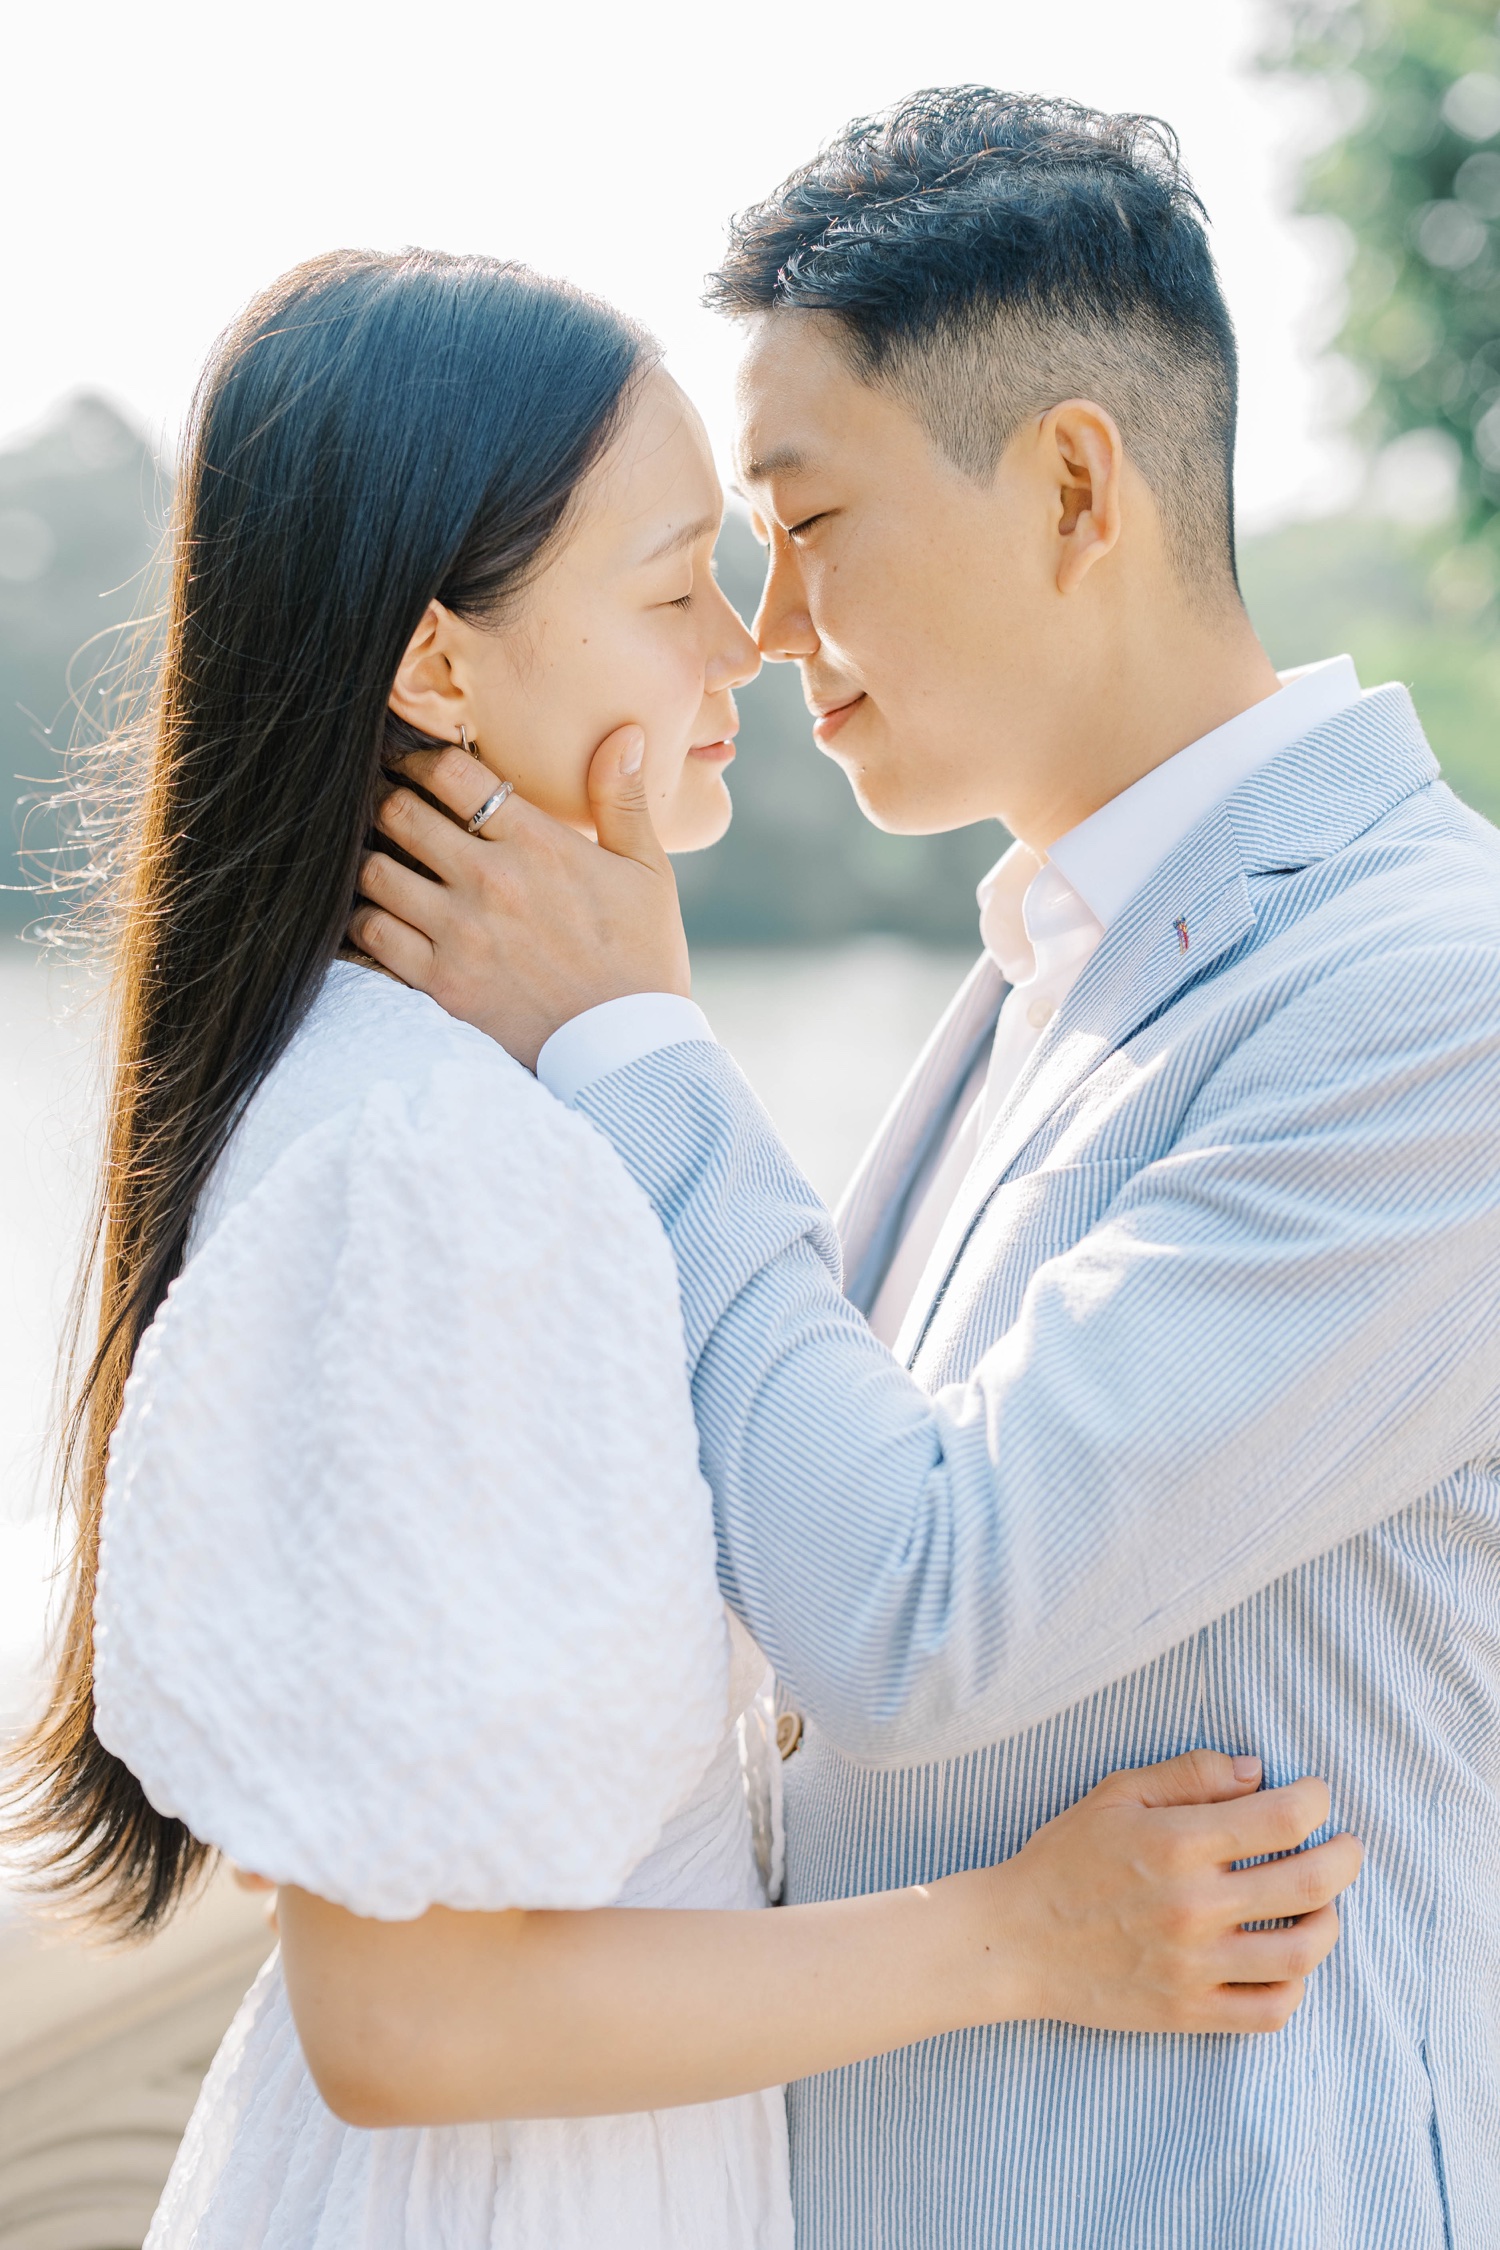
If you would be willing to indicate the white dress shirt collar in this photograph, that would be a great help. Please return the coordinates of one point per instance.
(1110, 855)
(1097, 868)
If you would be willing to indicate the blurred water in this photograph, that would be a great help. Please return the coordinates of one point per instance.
(823, 1036)
(47, 1106)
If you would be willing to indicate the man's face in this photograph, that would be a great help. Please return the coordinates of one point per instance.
(918, 602)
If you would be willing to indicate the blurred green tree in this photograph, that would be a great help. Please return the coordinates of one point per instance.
(1411, 173)
(1414, 178)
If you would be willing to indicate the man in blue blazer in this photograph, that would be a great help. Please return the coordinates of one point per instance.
(1163, 1406)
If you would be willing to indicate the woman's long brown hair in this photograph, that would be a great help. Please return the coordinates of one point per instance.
(374, 432)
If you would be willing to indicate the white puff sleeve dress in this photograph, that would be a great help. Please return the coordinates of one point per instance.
(407, 1595)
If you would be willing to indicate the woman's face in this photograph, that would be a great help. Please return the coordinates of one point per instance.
(624, 623)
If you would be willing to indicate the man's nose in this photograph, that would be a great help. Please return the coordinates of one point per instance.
(783, 626)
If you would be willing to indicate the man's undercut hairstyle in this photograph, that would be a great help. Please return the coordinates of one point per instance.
(990, 255)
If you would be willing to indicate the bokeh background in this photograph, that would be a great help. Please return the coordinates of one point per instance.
(159, 163)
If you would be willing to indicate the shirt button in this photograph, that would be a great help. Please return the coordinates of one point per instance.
(788, 1732)
(1040, 1014)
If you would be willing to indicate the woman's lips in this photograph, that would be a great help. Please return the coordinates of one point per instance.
(828, 724)
(714, 753)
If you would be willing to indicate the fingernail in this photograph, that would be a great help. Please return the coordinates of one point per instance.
(633, 750)
(1245, 1769)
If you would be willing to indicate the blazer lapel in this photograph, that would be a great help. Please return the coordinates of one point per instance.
(1301, 807)
(1192, 911)
(869, 1214)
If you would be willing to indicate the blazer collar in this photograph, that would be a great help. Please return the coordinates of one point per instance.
(1298, 809)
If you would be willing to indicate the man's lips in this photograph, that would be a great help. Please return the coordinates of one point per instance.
(827, 723)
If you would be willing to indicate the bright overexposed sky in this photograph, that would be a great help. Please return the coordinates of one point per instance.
(161, 161)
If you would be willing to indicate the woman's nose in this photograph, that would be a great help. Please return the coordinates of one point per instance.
(737, 659)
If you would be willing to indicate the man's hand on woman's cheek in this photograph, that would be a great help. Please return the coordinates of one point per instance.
(525, 925)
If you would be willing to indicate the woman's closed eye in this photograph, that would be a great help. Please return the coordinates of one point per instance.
(685, 601)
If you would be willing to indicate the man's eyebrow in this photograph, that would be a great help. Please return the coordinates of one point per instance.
(687, 535)
(781, 461)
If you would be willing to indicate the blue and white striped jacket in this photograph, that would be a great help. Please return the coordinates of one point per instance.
(1198, 1446)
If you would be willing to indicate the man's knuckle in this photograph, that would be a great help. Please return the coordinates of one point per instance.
(1287, 1823)
(1181, 1919)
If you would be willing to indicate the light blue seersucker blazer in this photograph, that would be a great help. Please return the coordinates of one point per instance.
(1198, 1445)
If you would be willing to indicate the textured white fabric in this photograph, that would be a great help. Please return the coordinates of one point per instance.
(265, 2166)
(407, 1595)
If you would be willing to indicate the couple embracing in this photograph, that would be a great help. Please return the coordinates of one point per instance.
(535, 1536)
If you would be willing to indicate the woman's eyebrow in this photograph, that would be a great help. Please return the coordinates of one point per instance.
(687, 535)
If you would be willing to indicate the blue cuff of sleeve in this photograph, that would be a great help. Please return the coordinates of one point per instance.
(612, 1036)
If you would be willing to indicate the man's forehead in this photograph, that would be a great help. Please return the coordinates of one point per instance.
(790, 379)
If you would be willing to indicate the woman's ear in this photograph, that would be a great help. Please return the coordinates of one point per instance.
(1088, 462)
(424, 691)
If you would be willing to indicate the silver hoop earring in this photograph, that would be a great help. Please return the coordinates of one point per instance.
(463, 736)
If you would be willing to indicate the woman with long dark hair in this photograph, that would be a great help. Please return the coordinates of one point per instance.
(394, 1574)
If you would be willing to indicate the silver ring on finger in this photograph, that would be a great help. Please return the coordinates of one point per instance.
(491, 806)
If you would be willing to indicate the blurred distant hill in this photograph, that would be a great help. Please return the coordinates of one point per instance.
(80, 503)
(81, 500)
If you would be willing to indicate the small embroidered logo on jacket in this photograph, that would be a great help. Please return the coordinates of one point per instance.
(1183, 940)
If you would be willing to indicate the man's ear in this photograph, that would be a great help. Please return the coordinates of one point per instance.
(424, 691)
(1085, 458)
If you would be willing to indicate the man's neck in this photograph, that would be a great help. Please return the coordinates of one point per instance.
(1176, 688)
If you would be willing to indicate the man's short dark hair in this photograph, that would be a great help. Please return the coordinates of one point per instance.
(990, 255)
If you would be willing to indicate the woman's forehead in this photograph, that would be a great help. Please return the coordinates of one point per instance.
(658, 479)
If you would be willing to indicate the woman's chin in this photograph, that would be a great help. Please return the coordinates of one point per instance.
(696, 817)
